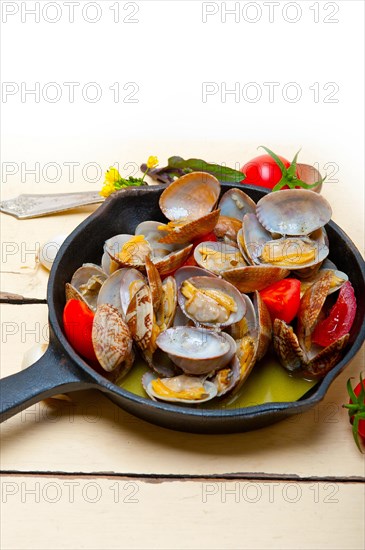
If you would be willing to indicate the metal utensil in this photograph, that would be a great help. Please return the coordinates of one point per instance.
(34, 206)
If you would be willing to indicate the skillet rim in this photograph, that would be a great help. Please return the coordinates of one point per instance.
(317, 393)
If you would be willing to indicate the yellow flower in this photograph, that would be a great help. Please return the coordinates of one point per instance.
(152, 162)
(112, 175)
(107, 190)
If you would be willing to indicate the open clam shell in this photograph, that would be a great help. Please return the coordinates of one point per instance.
(155, 283)
(108, 265)
(337, 279)
(227, 378)
(110, 290)
(190, 197)
(187, 231)
(87, 282)
(294, 253)
(218, 256)
(197, 351)
(168, 304)
(205, 309)
(179, 389)
(111, 337)
(235, 203)
(251, 238)
(226, 229)
(294, 359)
(128, 250)
(189, 271)
(293, 212)
(166, 257)
(250, 278)
(131, 280)
(140, 318)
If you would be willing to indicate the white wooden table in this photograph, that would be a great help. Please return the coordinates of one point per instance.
(88, 475)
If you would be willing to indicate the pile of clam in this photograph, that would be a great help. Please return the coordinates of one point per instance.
(196, 327)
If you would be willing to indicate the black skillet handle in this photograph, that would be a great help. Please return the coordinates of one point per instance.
(52, 374)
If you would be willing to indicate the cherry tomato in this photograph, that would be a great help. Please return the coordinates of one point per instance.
(356, 410)
(263, 171)
(282, 299)
(78, 321)
(361, 427)
(340, 319)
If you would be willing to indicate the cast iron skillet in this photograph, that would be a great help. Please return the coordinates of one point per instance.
(62, 370)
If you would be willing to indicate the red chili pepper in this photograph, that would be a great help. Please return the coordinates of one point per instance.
(282, 299)
(78, 321)
(340, 319)
(356, 409)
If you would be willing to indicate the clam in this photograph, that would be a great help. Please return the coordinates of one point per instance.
(293, 212)
(195, 350)
(108, 265)
(253, 336)
(111, 337)
(188, 203)
(128, 250)
(210, 301)
(228, 377)
(166, 312)
(189, 271)
(166, 257)
(131, 281)
(296, 360)
(310, 307)
(337, 279)
(217, 257)
(251, 238)
(293, 253)
(140, 319)
(85, 284)
(250, 278)
(181, 275)
(235, 203)
(155, 283)
(295, 352)
(179, 389)
(110, 290)
(226, 230)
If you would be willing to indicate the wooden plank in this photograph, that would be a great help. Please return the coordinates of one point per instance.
(123, 513)
(93, 435)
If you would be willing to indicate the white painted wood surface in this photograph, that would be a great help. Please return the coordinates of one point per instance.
(92, 436)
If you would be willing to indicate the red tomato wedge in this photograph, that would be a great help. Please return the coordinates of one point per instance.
(282, 299)
(78, 321)
(340, 319)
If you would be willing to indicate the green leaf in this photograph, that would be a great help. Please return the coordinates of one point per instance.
(304, 185)
(276, 159)
(355, 432)
(223, 173)
(292, 169)
(350, 391)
